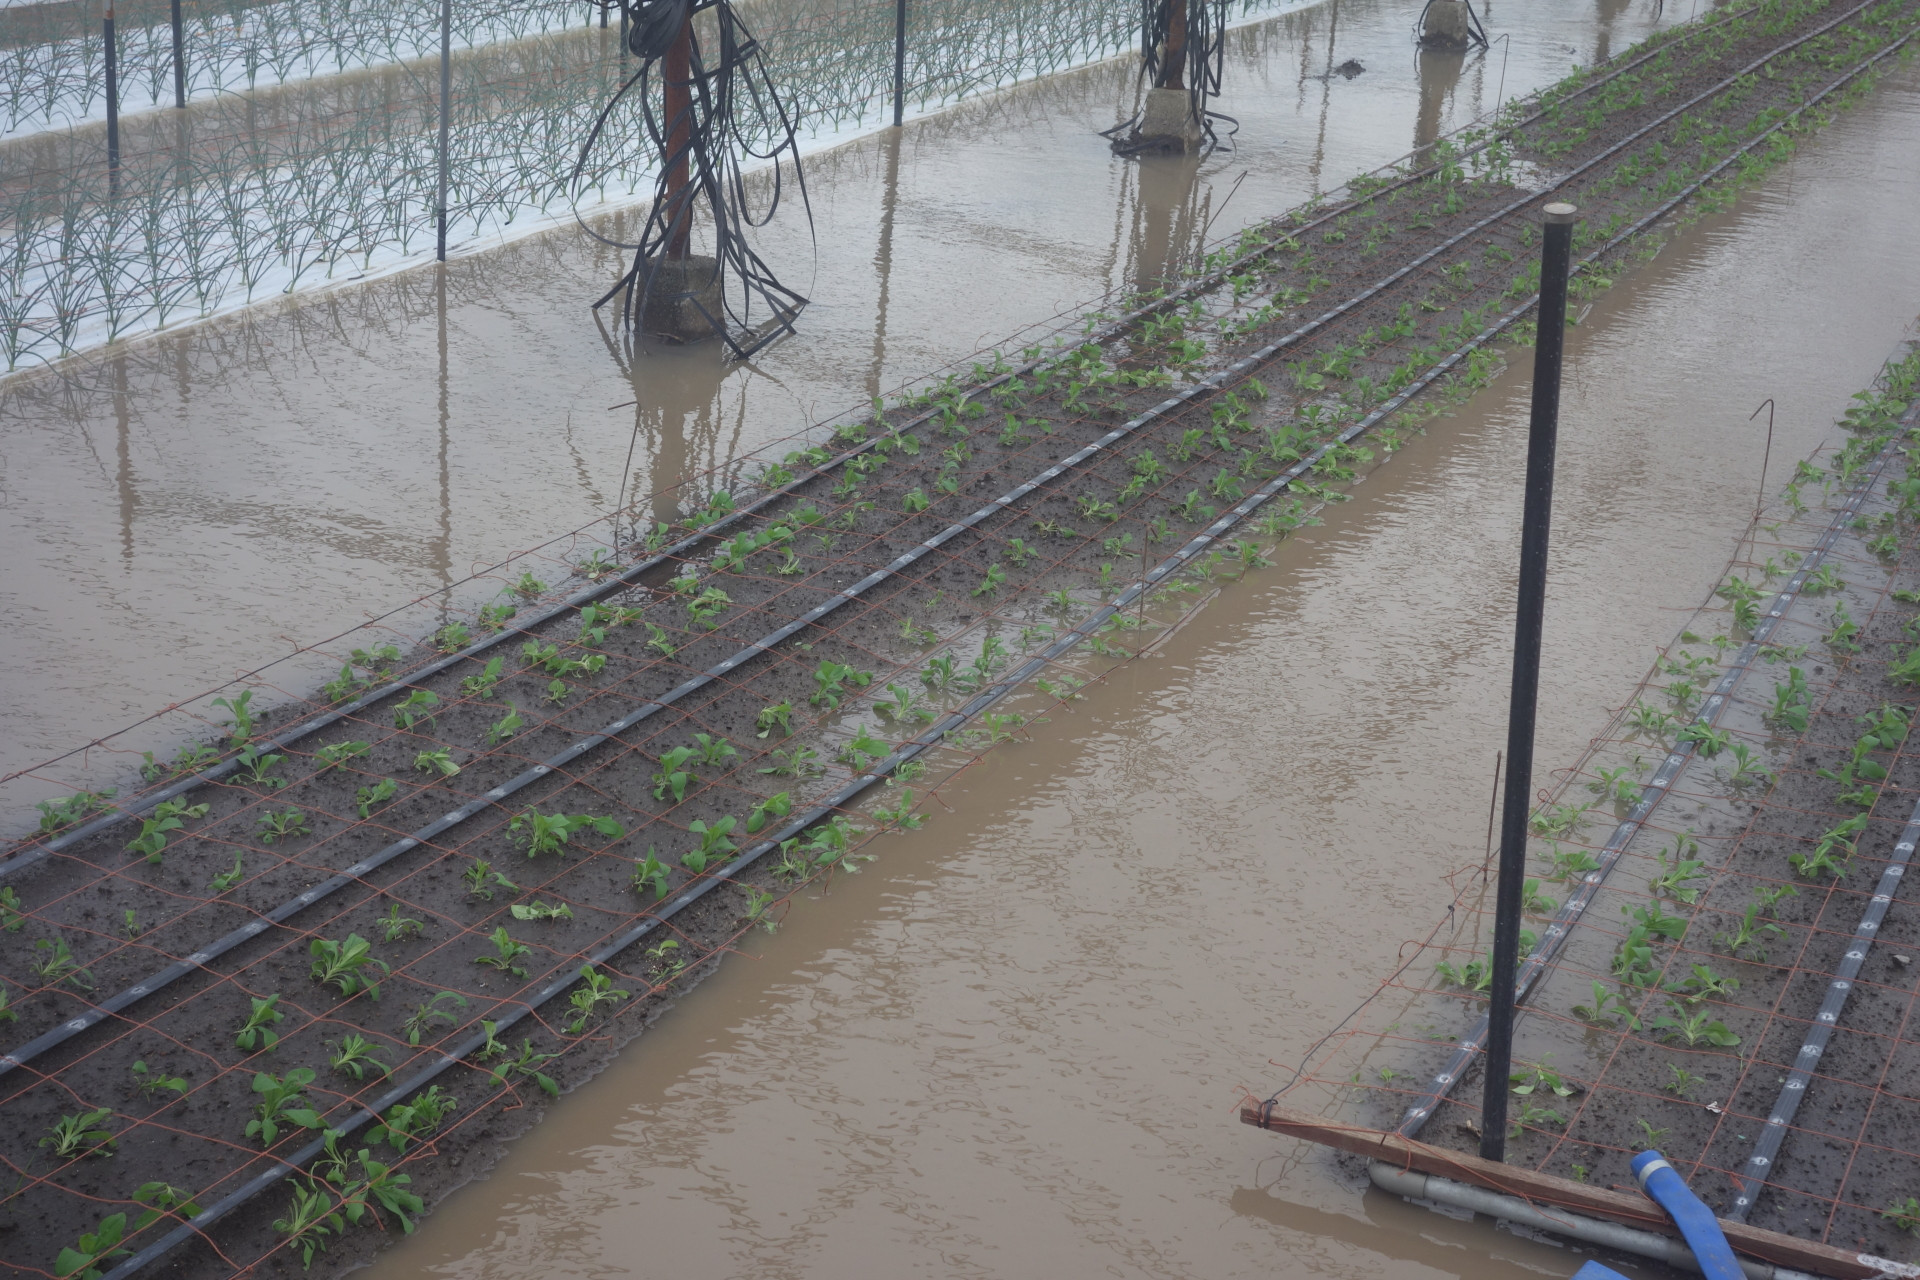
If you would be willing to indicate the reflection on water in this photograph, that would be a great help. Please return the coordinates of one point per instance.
(293, 469)
(1013, 1047)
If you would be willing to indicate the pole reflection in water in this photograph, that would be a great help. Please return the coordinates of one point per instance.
(1439, 71)
(1168, 219)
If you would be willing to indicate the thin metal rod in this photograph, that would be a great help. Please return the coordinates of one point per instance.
(623, 30)
(446, 122)
(1556, 252)
(113, 94)
(179, 61)
(899, 61)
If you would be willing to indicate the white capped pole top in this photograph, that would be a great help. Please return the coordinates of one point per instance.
(1559, 213)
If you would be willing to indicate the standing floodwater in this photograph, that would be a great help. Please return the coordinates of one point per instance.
(189, 507)
(1015, 1045)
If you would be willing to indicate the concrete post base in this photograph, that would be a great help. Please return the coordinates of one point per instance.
(678, 284)
(1446, 26)
(1167, 124)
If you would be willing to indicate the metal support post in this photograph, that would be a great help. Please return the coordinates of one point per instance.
(899, 60)
(179, 61)
(446, 105)
(113, 94)
(1556, 252)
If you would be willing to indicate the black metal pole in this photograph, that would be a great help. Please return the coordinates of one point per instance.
(179, 60)
(623, 30)
(446, 124)
(899, 60)
(113, 95)
(1556, 250)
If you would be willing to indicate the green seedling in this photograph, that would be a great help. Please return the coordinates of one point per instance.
(667, 957)
(1621, 785)
(482, 880)
(1845, 634)
(284, 825)
(410, 1121)
(400, 928)
(482, 685)
(994, 578)
(1607, 1009)
(255, 770)
(57, 965)
(1557, 821)
(507, 954)
(1827, 579)
(650, 872)
(1747, 768)
(596, 990)
(337, 754)
(1701, 1028)
(347, 965)
(831, 681)
(1768, 899)
(1650, 1136)
(83, 1134)
(240, 727)
(675, 774)
(1650, 720)
(257, 1032)
(1748, 932)
(714, 843)
(437, 1011)
(548, 658)
(1792, 702)
(283, 1102)
(901, 814)
(357, 1055)
(367, 799)
(189, 759)
(151, 1083)
(168, 816)
(778, 716)
(1475, 975)
(1570, 864)
(506, 726)
(1711, 741)
(1833, 853)
(707, 607)
(229, 878)
(528, 585)
(537, 910)
(902, 707)
(1532, 1078)
(1904, 1215)
(1534, 1116)
(416, 709)
(860, 753)
(495, 616)
(1533, 902)
(794, 762)
(712, 751)
(1702, 984)
(1655, 921)
(1675, 878)
(526, 1063)
(452, 638)
(1682, 1082)
(58, 815)
(12, 910)
(552, 832)
(773, 807)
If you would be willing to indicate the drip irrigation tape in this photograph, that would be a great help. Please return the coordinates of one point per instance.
(1656, 790)
(1752, 1178)
(145, 803)
(987, 698)
(1213, 382)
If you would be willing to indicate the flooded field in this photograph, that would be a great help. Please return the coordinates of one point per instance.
(1014, 1046)
(193, 506)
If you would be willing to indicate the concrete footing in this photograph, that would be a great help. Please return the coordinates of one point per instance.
(1446, 25)
(682, 290)
(1167, 123)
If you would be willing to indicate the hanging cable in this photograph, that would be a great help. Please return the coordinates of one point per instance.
(1182, 46)
(722, 99)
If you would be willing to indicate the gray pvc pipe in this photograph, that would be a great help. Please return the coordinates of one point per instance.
(1645, 1244)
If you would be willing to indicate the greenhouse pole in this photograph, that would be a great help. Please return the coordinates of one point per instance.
(179, 61)
(1529, 618)
(899, 60)
(446, 101)
(113, 95)
(677, 100)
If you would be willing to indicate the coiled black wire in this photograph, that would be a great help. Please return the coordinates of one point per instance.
(733, 102)
(1197, 65)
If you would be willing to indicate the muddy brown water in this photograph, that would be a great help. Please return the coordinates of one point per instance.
(1014, 1045)
(188, 507)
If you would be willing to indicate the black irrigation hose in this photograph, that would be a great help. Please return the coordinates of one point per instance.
(1656, 790)
(1213, 382)
(988, 697)
(1752, 1180)
(145, 803)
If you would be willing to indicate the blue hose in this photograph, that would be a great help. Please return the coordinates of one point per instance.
(1697, 1223)
(1591, 1270)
